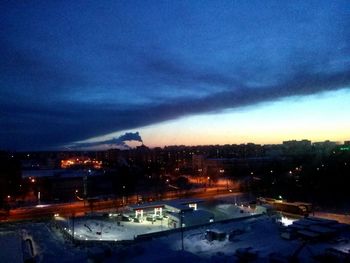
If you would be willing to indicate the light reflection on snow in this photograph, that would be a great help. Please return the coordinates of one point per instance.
(286, 221)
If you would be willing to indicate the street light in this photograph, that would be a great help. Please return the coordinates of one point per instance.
(73, 226)
(124, 195)
(200, 175)
(222, 172)
(182, 231)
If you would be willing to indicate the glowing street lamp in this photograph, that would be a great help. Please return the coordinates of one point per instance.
(208, 180)
(182, 231)
(124, 198)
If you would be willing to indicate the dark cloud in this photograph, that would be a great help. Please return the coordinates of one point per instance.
(78, 121)
(115, 142)
(27, 69)
(67, 76)
(171, 70)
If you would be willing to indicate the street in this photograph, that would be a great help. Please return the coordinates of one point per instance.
(81, 207)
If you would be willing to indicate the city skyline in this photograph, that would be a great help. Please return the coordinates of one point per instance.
(192, 73)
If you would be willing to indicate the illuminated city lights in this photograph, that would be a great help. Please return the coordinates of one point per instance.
(69, 163)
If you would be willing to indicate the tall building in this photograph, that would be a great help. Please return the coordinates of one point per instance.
(295, 147)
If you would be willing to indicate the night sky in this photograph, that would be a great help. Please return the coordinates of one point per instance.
(177, 72)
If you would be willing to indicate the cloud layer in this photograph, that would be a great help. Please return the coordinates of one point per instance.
(115, 66)
(115, 142)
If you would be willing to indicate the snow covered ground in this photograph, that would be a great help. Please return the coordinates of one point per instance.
(48, 244)
(262, 234)
(258, 235)
(108, 229)
(10, 247)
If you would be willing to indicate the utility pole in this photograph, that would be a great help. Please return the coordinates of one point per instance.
(182, 231)
(73, 219)
(85, 188)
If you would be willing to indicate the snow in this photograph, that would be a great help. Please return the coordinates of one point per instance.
(49, 244)
(261, 234)
(52, 246)
(108, 229)
(11, 250)
(285, 221)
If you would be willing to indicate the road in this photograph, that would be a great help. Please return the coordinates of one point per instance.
(81, 207)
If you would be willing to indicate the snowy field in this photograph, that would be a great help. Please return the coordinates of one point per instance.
(258, 235)
(108, 229)
(49, 244)
(10, 247)
(262, 234)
